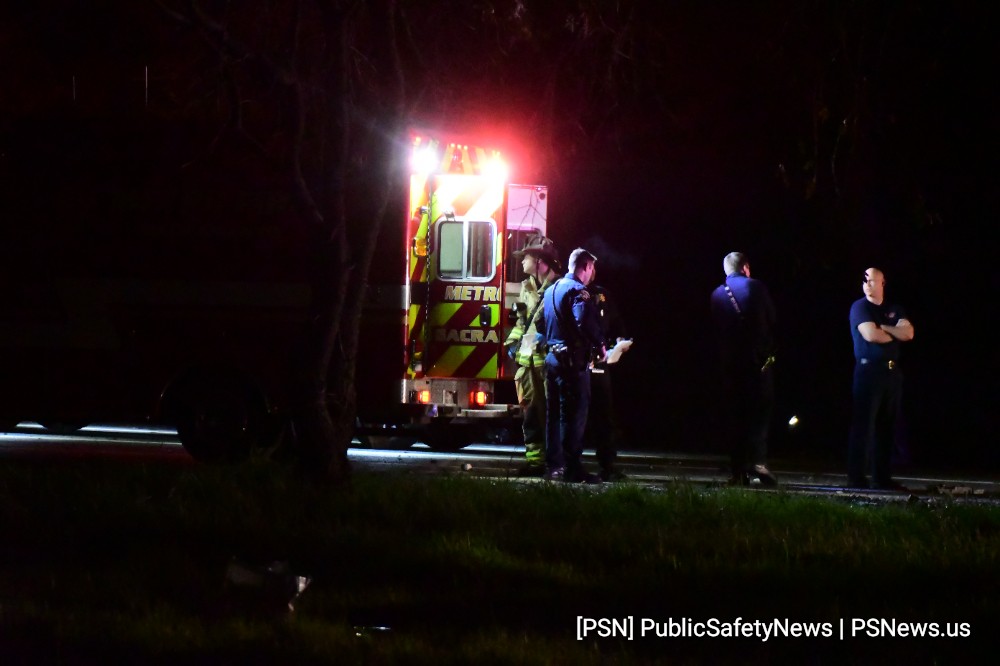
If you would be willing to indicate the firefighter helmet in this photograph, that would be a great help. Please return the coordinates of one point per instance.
(540, 246)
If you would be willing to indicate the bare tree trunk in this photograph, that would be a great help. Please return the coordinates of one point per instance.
(316, 434)
(326, 126)
(328, 427)
(321, 439)
(342, 390)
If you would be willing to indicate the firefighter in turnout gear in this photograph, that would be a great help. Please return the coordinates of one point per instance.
(526, 346)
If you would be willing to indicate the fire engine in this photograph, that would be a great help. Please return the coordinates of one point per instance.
(463, 218)
(190, 320)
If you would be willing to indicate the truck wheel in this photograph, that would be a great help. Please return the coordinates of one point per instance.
(390, 443)
(63, 427)
(217, 419)
(446, 438)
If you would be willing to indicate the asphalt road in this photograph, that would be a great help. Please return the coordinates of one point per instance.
(30, 441)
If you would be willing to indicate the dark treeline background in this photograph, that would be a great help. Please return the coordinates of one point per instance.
(819, 137)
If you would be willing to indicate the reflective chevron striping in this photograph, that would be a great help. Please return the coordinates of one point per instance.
(475, 366)
(413, 317)
(442, 314)
(487, 204)
(449, 361)
(444, 327)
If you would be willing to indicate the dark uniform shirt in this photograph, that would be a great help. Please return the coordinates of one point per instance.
(889, 314)
(746, 337)
(612, 324)
(572, 318)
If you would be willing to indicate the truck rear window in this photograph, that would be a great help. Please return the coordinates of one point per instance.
(467, 249)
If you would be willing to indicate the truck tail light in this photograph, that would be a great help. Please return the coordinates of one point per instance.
(479, 398)
(423, 396)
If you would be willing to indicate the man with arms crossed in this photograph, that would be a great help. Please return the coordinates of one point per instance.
(877, 327)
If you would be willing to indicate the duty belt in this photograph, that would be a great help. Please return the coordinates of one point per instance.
(892, 365)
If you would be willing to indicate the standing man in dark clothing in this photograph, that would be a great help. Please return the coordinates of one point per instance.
(877, 328)
(744, 319)
(602, 424)
(572, 332)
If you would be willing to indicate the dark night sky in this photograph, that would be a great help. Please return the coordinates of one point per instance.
(923, 210)
(686, 167)
(917, 197)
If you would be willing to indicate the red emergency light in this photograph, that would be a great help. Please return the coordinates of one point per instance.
(495, 168)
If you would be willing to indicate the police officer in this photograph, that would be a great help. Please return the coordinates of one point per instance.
(602, 425)
(744, 319)
(526, 347)
(572, 332)
(877, 328)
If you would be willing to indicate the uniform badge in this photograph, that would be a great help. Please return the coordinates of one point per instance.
(601, 298)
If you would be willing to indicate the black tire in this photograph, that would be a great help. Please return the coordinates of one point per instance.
(218, 418)
(63, 427)
(447, 438)
(390, 443)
